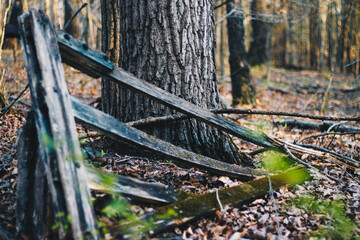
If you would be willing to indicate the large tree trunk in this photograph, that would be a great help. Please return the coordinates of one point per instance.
(243, 91)
(315, 35)
(258, 53)
(171, 45)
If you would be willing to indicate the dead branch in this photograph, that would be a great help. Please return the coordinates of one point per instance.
(324, 126)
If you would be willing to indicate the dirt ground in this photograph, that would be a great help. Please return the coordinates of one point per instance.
(320, 208)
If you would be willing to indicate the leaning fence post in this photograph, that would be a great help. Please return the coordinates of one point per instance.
(70, 212)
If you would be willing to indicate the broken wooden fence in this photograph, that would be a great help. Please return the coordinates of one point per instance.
(53, 196)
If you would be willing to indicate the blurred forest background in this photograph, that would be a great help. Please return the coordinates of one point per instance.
(295, 34)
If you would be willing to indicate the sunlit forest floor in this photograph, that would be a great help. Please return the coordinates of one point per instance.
(318, 208)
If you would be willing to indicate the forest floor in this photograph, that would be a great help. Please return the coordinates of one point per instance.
(317, 208)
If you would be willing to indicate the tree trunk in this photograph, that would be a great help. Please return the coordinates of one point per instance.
(290, 19)
(242, 90)
(342, 36)
(314, 33)
(258, 53)
(329, 29)
(171, 45)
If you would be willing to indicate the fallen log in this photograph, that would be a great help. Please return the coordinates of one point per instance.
(71, 214)
(203, 205)
(323, 127)
(119, 131)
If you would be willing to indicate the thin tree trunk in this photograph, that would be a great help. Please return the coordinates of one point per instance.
(314, 33)
(171, 45)
(342, 36)
(290, 20)
(242, 90)
(329, 29)
(258, 53)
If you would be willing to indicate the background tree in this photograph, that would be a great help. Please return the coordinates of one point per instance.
(70, 7)
(258, 53)
(170, 44)
(243, 91)
(314, 34)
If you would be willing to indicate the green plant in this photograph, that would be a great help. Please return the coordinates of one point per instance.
(338, 224)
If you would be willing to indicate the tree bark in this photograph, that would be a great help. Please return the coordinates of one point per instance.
(258, 53)
(243, 91)
(171, 45)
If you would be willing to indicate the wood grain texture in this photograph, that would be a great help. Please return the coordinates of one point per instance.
(58, 144)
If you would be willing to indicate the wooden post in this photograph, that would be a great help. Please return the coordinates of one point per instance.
(71, 214)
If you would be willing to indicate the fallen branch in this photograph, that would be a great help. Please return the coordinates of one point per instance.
(180, 117)
(326, 134)
(299, 150)
(330, 152)
(291, 123)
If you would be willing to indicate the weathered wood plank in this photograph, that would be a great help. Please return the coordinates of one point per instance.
(132, 187)
(74, 48)
(32, 204)
(121, 132)
(75, 53)
(57, 136)
(203, 205)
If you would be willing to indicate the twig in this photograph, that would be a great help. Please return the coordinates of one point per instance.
(6, 109)
(307, 164)
(218, 199)
(73, 16)
(336, 125)
(325, 134)
(331, 127)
